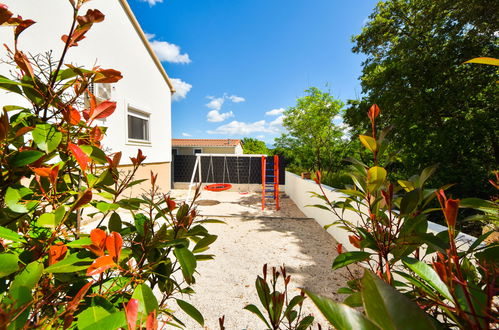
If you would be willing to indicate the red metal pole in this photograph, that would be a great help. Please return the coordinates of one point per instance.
(263, 181)
(276, 181)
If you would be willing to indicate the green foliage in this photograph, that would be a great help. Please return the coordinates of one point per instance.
(53, 275)
(313, 141)
(451, 288)
(281, 312)
(440, 110)
(255, 146)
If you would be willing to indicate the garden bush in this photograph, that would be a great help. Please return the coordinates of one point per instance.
(55, 173)
(414, 279)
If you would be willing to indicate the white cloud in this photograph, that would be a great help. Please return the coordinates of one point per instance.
(236, 99)
(186, 134)
(166, 51)
(261, 137)
(275, 112)
(215, 103)
(181, 89)
(152, 2)
(277, 122)
(240, 128)
(215, 116)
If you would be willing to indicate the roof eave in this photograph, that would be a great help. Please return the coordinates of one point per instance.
(143, 37)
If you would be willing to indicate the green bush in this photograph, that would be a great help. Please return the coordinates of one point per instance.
(55, 173)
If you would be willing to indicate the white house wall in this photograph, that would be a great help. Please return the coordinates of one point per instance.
(113, 43)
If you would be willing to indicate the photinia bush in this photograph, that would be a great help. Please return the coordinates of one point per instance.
(143, 252)
(415, 279)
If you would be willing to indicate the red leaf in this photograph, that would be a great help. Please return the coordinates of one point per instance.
(83, 198)
(100, 265)
(152, 321)
(23, 63)
(107, 76)
(5, 13)
(71, 115)
(96, 135)
(171, 204)
(354, 240)
(23, 25)
(42, 171)
(92, 16)
(114, 243)
(24, 130)
(451, 209)
(339, 248)
(73, 304)
(80, 156)
(373, 112)
(54, 174)
(131, 311)
(98, 237)
(57, 253)
(103, 110)
(139, 159)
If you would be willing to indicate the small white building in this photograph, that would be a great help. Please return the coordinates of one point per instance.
(142, 118)
(207, 146)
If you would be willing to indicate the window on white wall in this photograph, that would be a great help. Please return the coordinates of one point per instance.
(138, 125)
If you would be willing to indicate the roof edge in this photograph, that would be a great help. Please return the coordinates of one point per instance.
(143, 37)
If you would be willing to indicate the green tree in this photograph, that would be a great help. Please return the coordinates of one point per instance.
(441, 110)
(313, 141)
(255, 146)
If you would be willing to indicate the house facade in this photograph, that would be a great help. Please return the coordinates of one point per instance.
(142, 119)
(206, 146)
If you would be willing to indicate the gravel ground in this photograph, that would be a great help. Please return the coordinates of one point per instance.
(250, 239)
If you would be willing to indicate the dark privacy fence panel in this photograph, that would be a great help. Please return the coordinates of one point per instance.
(224, 169)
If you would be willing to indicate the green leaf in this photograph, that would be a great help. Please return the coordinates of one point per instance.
(212, 221)
(47, 220)
(147, 301)
(95, 153)
(354, 300)
(6, 233)
(390, 309)
(341, 316)
(204, 243)
(376, 176)
(10, 85)
(46, 137)
(191, 311)
(90, 316)
(490, 254)
(350, 257)
(428, 274)
(10, 264)
(410, 201)
(115, 223)
(73, 263)
(426, 173)
(407, 185)
(28, 277)
(79, 243)
(140, 221)
(14, 199)
(187, 262)
(25, 157)
(252, 308)
(369, 142)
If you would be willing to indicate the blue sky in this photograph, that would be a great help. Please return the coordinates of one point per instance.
(238, 63)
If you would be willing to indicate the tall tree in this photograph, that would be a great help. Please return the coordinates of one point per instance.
(441, 110)
(313, 141)
(255, 146)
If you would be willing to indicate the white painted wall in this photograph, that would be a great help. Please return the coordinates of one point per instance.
(299, 190)
(113, 43)
(239, 149)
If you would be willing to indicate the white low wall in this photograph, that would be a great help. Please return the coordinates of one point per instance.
(299, 190)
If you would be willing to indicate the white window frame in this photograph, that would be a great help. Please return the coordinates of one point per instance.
(142, 114)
